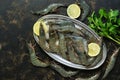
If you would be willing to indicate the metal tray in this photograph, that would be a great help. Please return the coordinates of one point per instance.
(80, 25)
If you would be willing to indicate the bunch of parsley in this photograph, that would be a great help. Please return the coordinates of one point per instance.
(106, 24)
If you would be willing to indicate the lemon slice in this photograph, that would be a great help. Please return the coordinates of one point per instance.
(73, 11)
(36, 28)
(93, 49)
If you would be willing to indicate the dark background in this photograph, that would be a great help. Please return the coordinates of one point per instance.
(16, 24)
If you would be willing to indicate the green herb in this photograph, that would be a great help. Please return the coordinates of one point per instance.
(106, 24)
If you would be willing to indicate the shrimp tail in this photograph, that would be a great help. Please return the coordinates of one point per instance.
(94, 77)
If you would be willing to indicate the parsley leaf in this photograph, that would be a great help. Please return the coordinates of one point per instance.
(106, 24)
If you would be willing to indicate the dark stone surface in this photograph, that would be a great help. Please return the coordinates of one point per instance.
(16, 24)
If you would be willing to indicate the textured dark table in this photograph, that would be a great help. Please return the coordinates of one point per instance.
(16, 27)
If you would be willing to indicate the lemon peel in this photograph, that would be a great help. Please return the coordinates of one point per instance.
(36, 28)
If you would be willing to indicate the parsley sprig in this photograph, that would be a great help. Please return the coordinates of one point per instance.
(106, 24)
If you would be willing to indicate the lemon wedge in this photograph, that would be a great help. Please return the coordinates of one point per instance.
(93, 49)
(46, 29)
(73, 11)
(36, 28)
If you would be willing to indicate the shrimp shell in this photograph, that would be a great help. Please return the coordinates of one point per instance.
(62, 71)
(50, 8)
(111, 62)
(34, 59)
